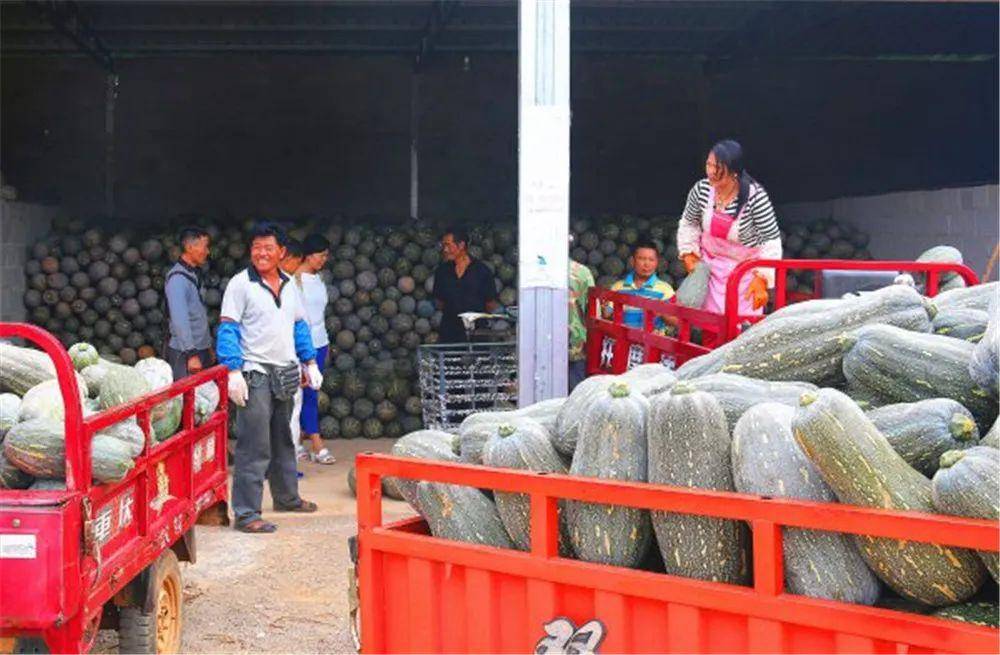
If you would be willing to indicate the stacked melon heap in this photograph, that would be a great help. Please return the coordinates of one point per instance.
(32, 413)
(104, 287)
(856, 400)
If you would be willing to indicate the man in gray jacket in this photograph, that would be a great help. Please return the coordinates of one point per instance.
(189, 348)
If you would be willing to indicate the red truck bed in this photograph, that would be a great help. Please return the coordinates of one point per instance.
(65, 554)
(423, 594)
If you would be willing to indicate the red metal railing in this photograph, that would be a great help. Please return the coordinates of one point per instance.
(717, 329)
(771, 614)
(932, 270)
(80, 431)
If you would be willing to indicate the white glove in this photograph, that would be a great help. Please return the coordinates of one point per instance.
(238, 390)
(313, 376)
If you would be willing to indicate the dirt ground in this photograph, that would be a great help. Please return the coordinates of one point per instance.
(280, 593)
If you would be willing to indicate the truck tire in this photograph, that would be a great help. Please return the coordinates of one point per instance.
(159, 629)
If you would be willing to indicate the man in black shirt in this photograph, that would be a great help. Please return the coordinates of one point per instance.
(461, 284)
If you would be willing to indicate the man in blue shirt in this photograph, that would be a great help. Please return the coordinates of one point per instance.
(642, 281)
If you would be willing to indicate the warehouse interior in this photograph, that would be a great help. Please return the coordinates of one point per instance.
(880, 115)
(305, 108)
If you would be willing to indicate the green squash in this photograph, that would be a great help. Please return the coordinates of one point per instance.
(10, 408)
(120, 385)
(572, 412)
(984, 367)
(987, 614)
(165, 417)
(797, 345)
(736, 393)
(461, 513)
(902, 366)
(862, 468)
(992, 438)
(11, 477)
(524, 444)
(975, 297)
(83, 355)
(45, 401)
(694, 288)
(966, 324)
(923, 431)
(38, 447)
(945, 254)
(768, 462)
(612, 446)
(23, 368)
(423, 444)
(968, 484)
(689, 446)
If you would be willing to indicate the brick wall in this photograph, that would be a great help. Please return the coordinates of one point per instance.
(21, 224)
(902, 225)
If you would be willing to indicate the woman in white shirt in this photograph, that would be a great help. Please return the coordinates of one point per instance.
(315, 250)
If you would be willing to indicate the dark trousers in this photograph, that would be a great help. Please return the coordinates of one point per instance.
(263, 449)
(179, 362)
(577, 374)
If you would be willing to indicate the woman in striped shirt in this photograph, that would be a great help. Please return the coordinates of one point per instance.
(728, 219)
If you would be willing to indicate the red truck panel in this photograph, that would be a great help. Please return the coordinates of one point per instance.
(422, 594)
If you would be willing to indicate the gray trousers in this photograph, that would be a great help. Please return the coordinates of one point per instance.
(179, 362)
(263, 449)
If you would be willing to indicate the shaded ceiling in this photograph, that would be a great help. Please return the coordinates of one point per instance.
(706, 29)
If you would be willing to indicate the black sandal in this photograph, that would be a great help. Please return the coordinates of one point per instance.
(304, 507)
(259, 526)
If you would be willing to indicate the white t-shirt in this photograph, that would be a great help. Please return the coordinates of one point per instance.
(315, 298)
(267, 322)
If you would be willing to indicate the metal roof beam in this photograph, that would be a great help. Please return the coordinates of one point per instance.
(69, 21)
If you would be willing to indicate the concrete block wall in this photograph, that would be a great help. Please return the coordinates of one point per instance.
(21, 224)
(902, 225)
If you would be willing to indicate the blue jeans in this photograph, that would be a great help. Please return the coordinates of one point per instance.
(309, 417)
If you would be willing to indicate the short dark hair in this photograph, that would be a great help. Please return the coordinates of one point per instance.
(264, 229)
(646, 242)
(460, 235)
(191, 233)
(293, 248)
(315, 243)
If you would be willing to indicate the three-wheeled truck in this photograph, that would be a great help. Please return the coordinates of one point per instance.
(106, 555)
(419, 593)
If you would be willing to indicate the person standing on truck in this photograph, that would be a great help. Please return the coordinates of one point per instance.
(729, 219)
(265, 341)
(461, 284)
(642, 281)
(580, 282)
(189, 347)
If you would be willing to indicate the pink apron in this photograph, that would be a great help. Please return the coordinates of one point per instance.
(722, 256)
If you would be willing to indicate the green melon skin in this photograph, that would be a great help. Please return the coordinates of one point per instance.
(902, 367)
(693, 290)
(968, 484)
(984, 367)
(804, 346)
(923, 431)
(689, 446)
(966, 324)
(862, 468)
(992, 438)
(978, 613)
(573, 411)
(768, 462)
(611, 446)
(524, 445)
(462, 514)
(422, 444)
(737, 393)
(11, 477)
(976, 297)
(38, 447)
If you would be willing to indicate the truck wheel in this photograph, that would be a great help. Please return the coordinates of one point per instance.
(159, 630)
